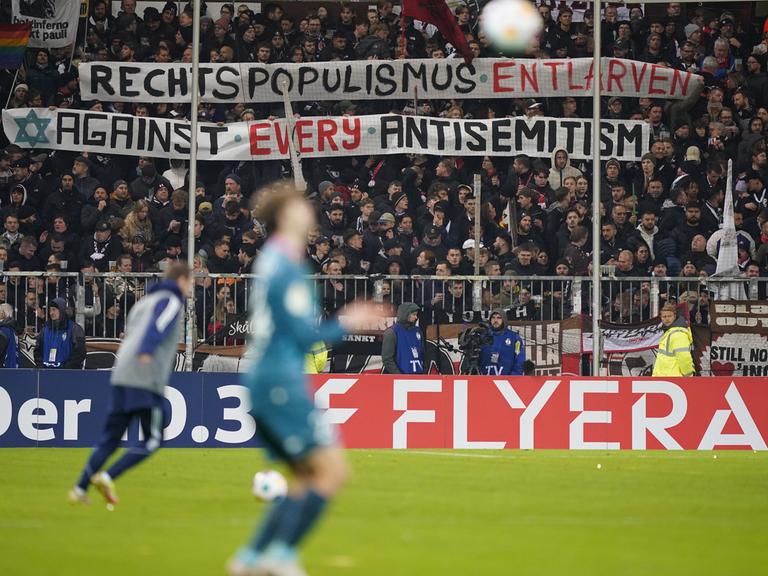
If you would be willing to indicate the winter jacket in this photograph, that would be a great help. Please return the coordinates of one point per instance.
(674, 354)
(556, 176)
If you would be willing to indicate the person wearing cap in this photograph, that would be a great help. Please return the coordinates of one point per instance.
(145, 185)
(20, 96)
(318, 256)
(32, 181)
(505, 355)
(102, 248)
(533, 108)
(61, 342)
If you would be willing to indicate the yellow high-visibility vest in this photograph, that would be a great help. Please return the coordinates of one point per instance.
(674, 354)
(316, 358)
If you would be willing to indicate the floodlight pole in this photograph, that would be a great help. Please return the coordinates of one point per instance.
(596, 296)
(192, 186)
(477, 191)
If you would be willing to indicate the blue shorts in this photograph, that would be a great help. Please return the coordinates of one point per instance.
(127, 400)
(287, 421)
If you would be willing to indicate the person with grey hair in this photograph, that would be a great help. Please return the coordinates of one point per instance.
(9, 342)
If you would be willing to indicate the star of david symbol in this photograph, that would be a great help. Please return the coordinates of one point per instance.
(40, 125)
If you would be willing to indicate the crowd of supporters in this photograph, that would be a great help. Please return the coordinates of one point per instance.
(405, 215)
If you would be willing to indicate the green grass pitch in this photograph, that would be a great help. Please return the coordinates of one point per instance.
(404, 513)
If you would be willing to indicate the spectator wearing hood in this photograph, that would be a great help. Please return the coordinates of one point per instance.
(402, 349)
(29, 223)
(9, 342)
(61, 342)
(561, 168)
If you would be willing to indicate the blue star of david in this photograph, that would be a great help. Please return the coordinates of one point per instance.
(40, 125)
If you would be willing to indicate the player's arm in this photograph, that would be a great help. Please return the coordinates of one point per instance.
(297, 317)
(164, 318)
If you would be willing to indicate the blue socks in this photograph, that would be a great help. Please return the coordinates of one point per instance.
(314, 505)
(289, 520)
(282, 508)
(129, 459)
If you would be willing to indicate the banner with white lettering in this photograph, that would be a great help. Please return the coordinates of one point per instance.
(54, 22)
(376, 79)
(739, 339)
(104, 132)
(66, 408)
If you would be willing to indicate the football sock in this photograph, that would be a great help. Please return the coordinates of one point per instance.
(314, 505)
(129, 459)
(99, 455)
(266, 530)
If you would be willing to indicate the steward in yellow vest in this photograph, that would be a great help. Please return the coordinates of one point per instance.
(316, 358)
(674, 354)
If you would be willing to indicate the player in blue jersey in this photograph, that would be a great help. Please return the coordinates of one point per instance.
(283, 317)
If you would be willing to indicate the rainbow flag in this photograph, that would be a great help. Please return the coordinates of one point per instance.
(13, 43)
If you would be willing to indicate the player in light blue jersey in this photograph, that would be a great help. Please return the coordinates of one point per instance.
(283, 318)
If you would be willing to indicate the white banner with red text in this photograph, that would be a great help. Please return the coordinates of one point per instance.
(105, 133)
(484, 78)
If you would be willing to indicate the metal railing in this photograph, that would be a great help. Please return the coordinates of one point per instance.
(100, 302)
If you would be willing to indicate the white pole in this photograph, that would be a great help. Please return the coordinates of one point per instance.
(477, 192)
(596, 296)
(190, 340)
(293, 150)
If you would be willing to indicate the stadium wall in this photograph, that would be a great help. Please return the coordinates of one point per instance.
(50, 408)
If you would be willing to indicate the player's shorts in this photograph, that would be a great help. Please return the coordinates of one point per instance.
(127, 400)
(287, 421)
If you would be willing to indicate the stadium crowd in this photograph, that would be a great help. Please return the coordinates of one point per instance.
(405, 215)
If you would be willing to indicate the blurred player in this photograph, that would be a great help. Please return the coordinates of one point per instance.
(142, 370)
(284, 319)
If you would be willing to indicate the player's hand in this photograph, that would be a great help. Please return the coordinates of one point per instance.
(359, 315)
(145, 358)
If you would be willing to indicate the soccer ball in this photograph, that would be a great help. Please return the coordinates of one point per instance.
(269, 484)
(511, 25)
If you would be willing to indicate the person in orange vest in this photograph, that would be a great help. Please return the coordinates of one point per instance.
(674, 354)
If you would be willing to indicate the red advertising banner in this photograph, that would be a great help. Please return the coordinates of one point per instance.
(390, 411)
